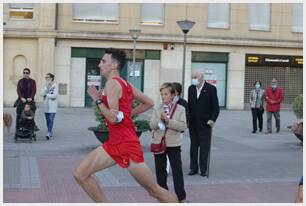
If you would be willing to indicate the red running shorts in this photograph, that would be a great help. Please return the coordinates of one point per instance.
(124, 152)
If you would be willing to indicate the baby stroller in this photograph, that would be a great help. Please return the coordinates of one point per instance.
(25, 128)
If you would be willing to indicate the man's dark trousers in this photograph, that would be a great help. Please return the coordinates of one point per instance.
(202, 108)
(200, 139)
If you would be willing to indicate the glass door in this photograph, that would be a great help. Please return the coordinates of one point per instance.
(92, 78)
(215, 74)
(136, 76)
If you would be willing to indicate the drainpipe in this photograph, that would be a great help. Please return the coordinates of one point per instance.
(56, 23)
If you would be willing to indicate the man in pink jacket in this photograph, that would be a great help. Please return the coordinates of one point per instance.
(273, 96)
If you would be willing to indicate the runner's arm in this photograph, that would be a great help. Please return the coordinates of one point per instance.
(145, 102)
(112, 88)
(112, 91)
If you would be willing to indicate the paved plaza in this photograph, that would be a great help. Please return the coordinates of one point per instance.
(245, 167)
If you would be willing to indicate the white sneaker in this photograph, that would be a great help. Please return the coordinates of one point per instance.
(48, 136)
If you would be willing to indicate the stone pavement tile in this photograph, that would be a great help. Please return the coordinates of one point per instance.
(244, 167)
(58, 185)
(57, 180)
(29, 173)
(239, 193)
(108, 178)
(134, 194)
(21, 172)
(23, 195)
(219, 193)
(11, 172)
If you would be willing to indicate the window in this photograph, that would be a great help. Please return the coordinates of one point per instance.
(152, 14)
(218, 15)
(107, 13)
(21, 11)
(297, 18)
(259, 18)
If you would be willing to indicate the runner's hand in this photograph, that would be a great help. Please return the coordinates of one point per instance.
(101, 92)
(93, 93)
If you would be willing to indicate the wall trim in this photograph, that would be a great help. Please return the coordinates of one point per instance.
(153, 38)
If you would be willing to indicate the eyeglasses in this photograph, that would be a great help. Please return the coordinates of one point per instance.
(26, 73)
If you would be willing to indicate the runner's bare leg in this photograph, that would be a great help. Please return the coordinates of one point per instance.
(95, 161)
(143, 175)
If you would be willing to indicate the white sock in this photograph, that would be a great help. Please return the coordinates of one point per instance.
(168, 166)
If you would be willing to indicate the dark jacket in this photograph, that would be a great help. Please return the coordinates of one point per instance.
(184, 103)
(203, 109)
(27, 115)
(31, 86)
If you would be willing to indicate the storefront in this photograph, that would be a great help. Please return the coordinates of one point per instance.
(288, 70)
(214, 67)
(85, 71)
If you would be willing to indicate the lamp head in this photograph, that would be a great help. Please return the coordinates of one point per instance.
(185, 25)
(134, 33)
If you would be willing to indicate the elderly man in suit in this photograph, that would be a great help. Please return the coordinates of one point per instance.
(203, 110)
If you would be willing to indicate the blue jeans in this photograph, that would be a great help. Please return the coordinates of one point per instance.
(50, 120)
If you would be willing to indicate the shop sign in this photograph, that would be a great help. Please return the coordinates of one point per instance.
(137, 70)
(62, 88)
(274, 60)
(210, 77)
(93, 80)
(253, 59)
(298, 61)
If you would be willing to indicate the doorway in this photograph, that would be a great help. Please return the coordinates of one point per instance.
(93, 76)
(215, 74)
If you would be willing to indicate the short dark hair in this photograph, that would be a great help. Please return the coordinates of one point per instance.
(27, 69)
(258, 82)
(178, 87)
(119, 55)
(51, 76)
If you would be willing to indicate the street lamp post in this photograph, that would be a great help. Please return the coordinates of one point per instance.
(134, 34)
(185, 26)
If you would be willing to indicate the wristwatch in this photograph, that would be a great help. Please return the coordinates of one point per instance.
(99, 101)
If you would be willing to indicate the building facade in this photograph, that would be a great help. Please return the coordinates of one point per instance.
(233, 44)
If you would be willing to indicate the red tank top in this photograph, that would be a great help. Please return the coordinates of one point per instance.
(125, 130)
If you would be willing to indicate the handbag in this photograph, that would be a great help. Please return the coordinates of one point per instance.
(160, 148)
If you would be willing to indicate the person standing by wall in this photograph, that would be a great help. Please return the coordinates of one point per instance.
(50, 91)
(175, 125)
(204, 109)
(257, 107)
(274, 96)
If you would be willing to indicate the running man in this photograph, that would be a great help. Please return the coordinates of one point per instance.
(123, 147)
